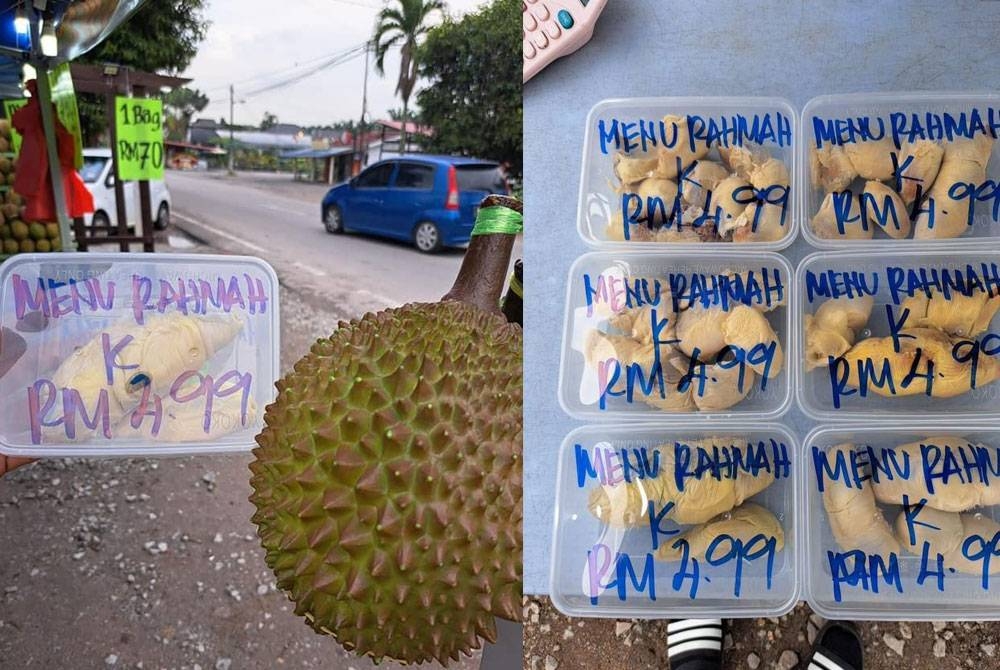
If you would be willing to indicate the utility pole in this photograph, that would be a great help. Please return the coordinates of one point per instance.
(232, 148)
(362, 144)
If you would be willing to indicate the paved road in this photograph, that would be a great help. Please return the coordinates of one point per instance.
(277, 219)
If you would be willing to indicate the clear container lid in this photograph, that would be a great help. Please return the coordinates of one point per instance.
(657, 522)
(899, 333)
(698, 334)
(683, 172)
(898, 168)
(135, 354)
(902, 523)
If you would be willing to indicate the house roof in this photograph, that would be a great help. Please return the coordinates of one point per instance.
(411, 127)
(256, 138)
(198, 148)
(316, 153)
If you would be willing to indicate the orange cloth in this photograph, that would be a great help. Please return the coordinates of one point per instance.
(34, 181)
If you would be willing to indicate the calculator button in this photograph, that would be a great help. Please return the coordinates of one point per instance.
(542, 13)
(553, 30)
(541, 40)
(530, 23)
(565, 19)
(529, 50)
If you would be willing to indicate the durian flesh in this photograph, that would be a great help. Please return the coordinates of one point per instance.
(151, 357)
(709, 357)
(626, 504)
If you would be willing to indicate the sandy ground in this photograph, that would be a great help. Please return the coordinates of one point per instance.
(554, 642)
(140, 563)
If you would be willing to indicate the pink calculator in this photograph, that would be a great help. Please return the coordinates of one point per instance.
(555, 28)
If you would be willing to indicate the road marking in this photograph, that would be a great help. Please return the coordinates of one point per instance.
(221, 233)
(288, 210)
(315, 272)
(383, 300)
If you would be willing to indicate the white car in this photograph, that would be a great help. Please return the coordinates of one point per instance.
(96, 174)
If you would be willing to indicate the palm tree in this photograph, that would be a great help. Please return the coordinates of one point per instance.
(402, 24)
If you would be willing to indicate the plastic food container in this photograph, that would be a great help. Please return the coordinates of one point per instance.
(957, 332)
(653, 336)
(632, 145)
(135, 354)
(881, 135)
(896, 557)
(608, 547)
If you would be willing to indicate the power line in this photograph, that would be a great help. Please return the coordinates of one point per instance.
(359, 3)
(339, 59)
(284, 70)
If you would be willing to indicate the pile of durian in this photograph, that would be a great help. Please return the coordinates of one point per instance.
(864, 194)
(744, 188)
(709, 506)
(715, 334)
(944, 521)
(16, 235)
(934, 326)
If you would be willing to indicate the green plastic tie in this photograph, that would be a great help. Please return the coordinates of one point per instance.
(498, 220)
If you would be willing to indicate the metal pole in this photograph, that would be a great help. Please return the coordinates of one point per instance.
(232, 149)
(49, 128)
(362, 145)
(51, 146)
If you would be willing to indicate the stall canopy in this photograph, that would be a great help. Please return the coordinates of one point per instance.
(80, 26)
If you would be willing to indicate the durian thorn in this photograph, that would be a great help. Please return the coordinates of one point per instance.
(481, 279)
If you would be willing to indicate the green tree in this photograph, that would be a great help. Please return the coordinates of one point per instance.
(404, 23)
(181, 104)
(473, 98)
(269, 121)
(396, 114)
(162, 36)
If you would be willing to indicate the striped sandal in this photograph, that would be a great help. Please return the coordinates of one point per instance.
(838, 647)
(695, 644)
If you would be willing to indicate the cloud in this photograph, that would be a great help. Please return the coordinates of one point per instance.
(250, 44)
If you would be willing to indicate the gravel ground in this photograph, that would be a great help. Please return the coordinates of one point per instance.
(141, 563)
(552, 641)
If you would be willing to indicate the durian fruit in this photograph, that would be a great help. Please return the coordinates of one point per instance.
(387, 479)
(36, 231)
(19, 230)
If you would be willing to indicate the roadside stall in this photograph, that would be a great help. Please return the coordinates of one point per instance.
(40, 143)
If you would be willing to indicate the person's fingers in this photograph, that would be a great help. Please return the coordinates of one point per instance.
(8, 463)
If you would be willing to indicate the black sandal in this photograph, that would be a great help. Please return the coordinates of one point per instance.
(695, 644)
(838, 647)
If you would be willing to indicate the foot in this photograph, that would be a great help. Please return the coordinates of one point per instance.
(695, 644)
(838, 647)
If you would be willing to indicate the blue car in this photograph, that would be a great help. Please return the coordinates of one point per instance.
(429, 200)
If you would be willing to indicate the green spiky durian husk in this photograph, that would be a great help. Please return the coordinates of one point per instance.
(387, 481)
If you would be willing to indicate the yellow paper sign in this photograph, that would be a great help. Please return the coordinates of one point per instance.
(139, 149)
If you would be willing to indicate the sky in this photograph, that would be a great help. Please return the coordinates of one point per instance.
(249, 39)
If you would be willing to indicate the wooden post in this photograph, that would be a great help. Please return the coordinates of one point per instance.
(144, 205)
(80, 231)
(120, 208)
